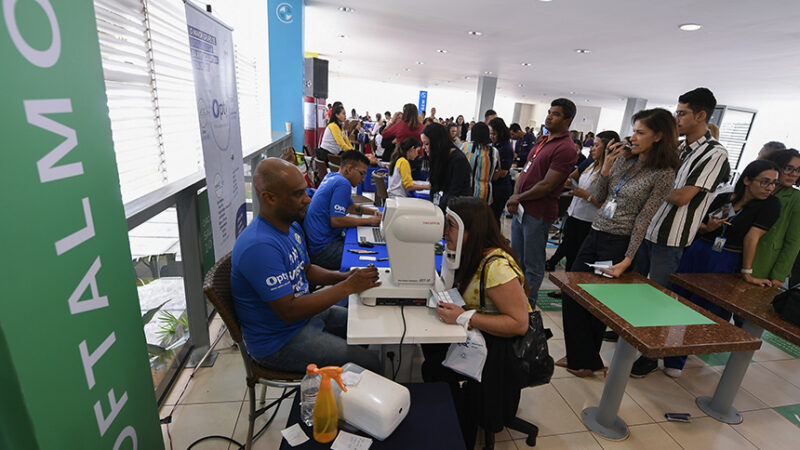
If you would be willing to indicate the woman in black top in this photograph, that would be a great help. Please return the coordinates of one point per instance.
(501, 181)
(450, 170)
(727, 239)
(464, 127)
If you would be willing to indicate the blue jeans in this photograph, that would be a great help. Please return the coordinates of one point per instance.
(330, 257)
(658, 262)
(321, 341)
(529, 240)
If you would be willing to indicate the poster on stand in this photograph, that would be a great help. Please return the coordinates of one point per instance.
(211, 47)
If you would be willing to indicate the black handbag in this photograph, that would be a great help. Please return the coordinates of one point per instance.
(535, 363)
(787, 305)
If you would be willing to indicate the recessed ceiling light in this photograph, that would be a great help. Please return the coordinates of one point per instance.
(488, 72)
(342, 35)
(346, 9)
(546, 1)
(582, 51)
(520, 85)
(587, 100)
(690, 26)
(420, 63)
(526, 64)
(474, 33)
(572, 92)
(441, 50)
(407, 69)
(467, 77)
(340, 52)
(397, 74)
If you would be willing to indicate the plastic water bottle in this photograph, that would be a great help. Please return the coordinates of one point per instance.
(309, 388)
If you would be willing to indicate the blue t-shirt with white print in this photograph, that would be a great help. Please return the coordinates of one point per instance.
(267, 264)
(331, 200)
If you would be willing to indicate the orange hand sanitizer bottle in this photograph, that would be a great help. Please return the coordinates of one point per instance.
(326, 413)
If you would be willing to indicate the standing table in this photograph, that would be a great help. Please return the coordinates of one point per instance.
(652, 341)
(754, 305)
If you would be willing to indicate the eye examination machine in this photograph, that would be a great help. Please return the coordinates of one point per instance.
(411, 227)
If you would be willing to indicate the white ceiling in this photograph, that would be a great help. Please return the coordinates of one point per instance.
(747, 51)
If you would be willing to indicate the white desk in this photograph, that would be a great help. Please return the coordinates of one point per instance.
(384, 325)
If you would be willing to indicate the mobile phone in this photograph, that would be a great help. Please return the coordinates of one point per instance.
(366, 244)
(678, 417)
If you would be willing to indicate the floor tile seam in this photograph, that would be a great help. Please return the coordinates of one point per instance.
(236, 423)
(780, 376)
(670, 435)
(743, 436)
(578, 416)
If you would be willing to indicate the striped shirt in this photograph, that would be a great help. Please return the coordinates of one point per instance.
(704, 164)
(484, 161)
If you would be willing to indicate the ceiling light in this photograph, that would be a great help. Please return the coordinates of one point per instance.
(546, 1)
(474, 33)
(346, 9)
(467, 77)
(525, 64)
(488, 72)
(420, 63)
(587, 100)
(690, 26)
(572, 92)
(342, 35)
(520, 85)
(441, 50)
(407, 69)
(340, 52)
(582, 51)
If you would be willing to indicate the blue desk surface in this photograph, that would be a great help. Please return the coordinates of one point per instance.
(352, 259)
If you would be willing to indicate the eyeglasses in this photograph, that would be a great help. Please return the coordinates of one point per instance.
(788, 168)
(766, 182)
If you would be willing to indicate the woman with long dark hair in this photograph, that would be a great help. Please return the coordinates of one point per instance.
(634, 181)
(464, 127)
(450, 170)
(501, 181)
(483, 160)
(335, 140)
(728, 237)
(491, 403)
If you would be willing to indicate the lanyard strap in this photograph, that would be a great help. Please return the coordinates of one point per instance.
(624, 179)
(729, 219)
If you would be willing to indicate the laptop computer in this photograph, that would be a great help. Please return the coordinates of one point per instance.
(372, 235)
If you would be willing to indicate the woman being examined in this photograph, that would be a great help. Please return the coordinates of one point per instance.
(400, 181)
(503, 316)
(483, 160)
(583, 209)
(450, 170)
(728, 237)
(633, 183)
(501, 181)
(778, 249)
(334, 140)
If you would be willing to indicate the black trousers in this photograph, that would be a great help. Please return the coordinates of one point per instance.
(575, 230)
(583, 333)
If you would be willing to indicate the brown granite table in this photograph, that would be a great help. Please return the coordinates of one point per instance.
(754, 305)
(657, 341)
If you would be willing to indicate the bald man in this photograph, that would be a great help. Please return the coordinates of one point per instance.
(284, 325)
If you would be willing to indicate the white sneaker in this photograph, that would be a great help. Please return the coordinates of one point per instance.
(673, 372)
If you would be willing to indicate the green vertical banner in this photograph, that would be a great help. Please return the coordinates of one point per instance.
(75, 346)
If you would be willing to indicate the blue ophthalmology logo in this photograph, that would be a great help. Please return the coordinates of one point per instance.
(284, 13)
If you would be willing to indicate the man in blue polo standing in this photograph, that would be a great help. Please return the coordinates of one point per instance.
(284, 325)
(535, 200)
(327, 219)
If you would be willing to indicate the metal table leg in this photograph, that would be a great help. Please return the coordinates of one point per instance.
(603, 419)
(720, 406)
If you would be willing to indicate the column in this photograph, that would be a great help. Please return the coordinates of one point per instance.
(286, 66)
(485, 99)
(633, 106)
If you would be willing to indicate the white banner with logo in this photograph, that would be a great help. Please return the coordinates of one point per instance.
(211, 46)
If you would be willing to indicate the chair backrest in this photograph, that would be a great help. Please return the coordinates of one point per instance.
(320, 169)
(333, 167)
(335, 159)
(217, 287)
(380, 187)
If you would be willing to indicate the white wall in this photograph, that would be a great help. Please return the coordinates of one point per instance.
(774, 122)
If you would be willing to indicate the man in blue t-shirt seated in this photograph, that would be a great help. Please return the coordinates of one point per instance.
(327, 215)
(285, 327)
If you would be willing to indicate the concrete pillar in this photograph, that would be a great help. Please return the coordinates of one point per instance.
(487, 86)
(633, 106)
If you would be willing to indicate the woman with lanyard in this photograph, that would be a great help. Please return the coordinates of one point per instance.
(633, 183)
(727, 239)
(584, 206)
(778, 249)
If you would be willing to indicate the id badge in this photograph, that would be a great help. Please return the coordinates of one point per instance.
(527, 166)
(437, 197)
(719, 244)
(609, 209)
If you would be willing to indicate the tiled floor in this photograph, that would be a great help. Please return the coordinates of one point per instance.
(215, 402)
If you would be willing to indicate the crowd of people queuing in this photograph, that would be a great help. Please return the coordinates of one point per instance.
(651, 203)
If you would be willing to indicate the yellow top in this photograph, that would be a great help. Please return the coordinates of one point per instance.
(340, 137)
(404, 167)
(499, 271)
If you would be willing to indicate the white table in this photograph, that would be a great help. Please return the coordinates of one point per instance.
(384, 325)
